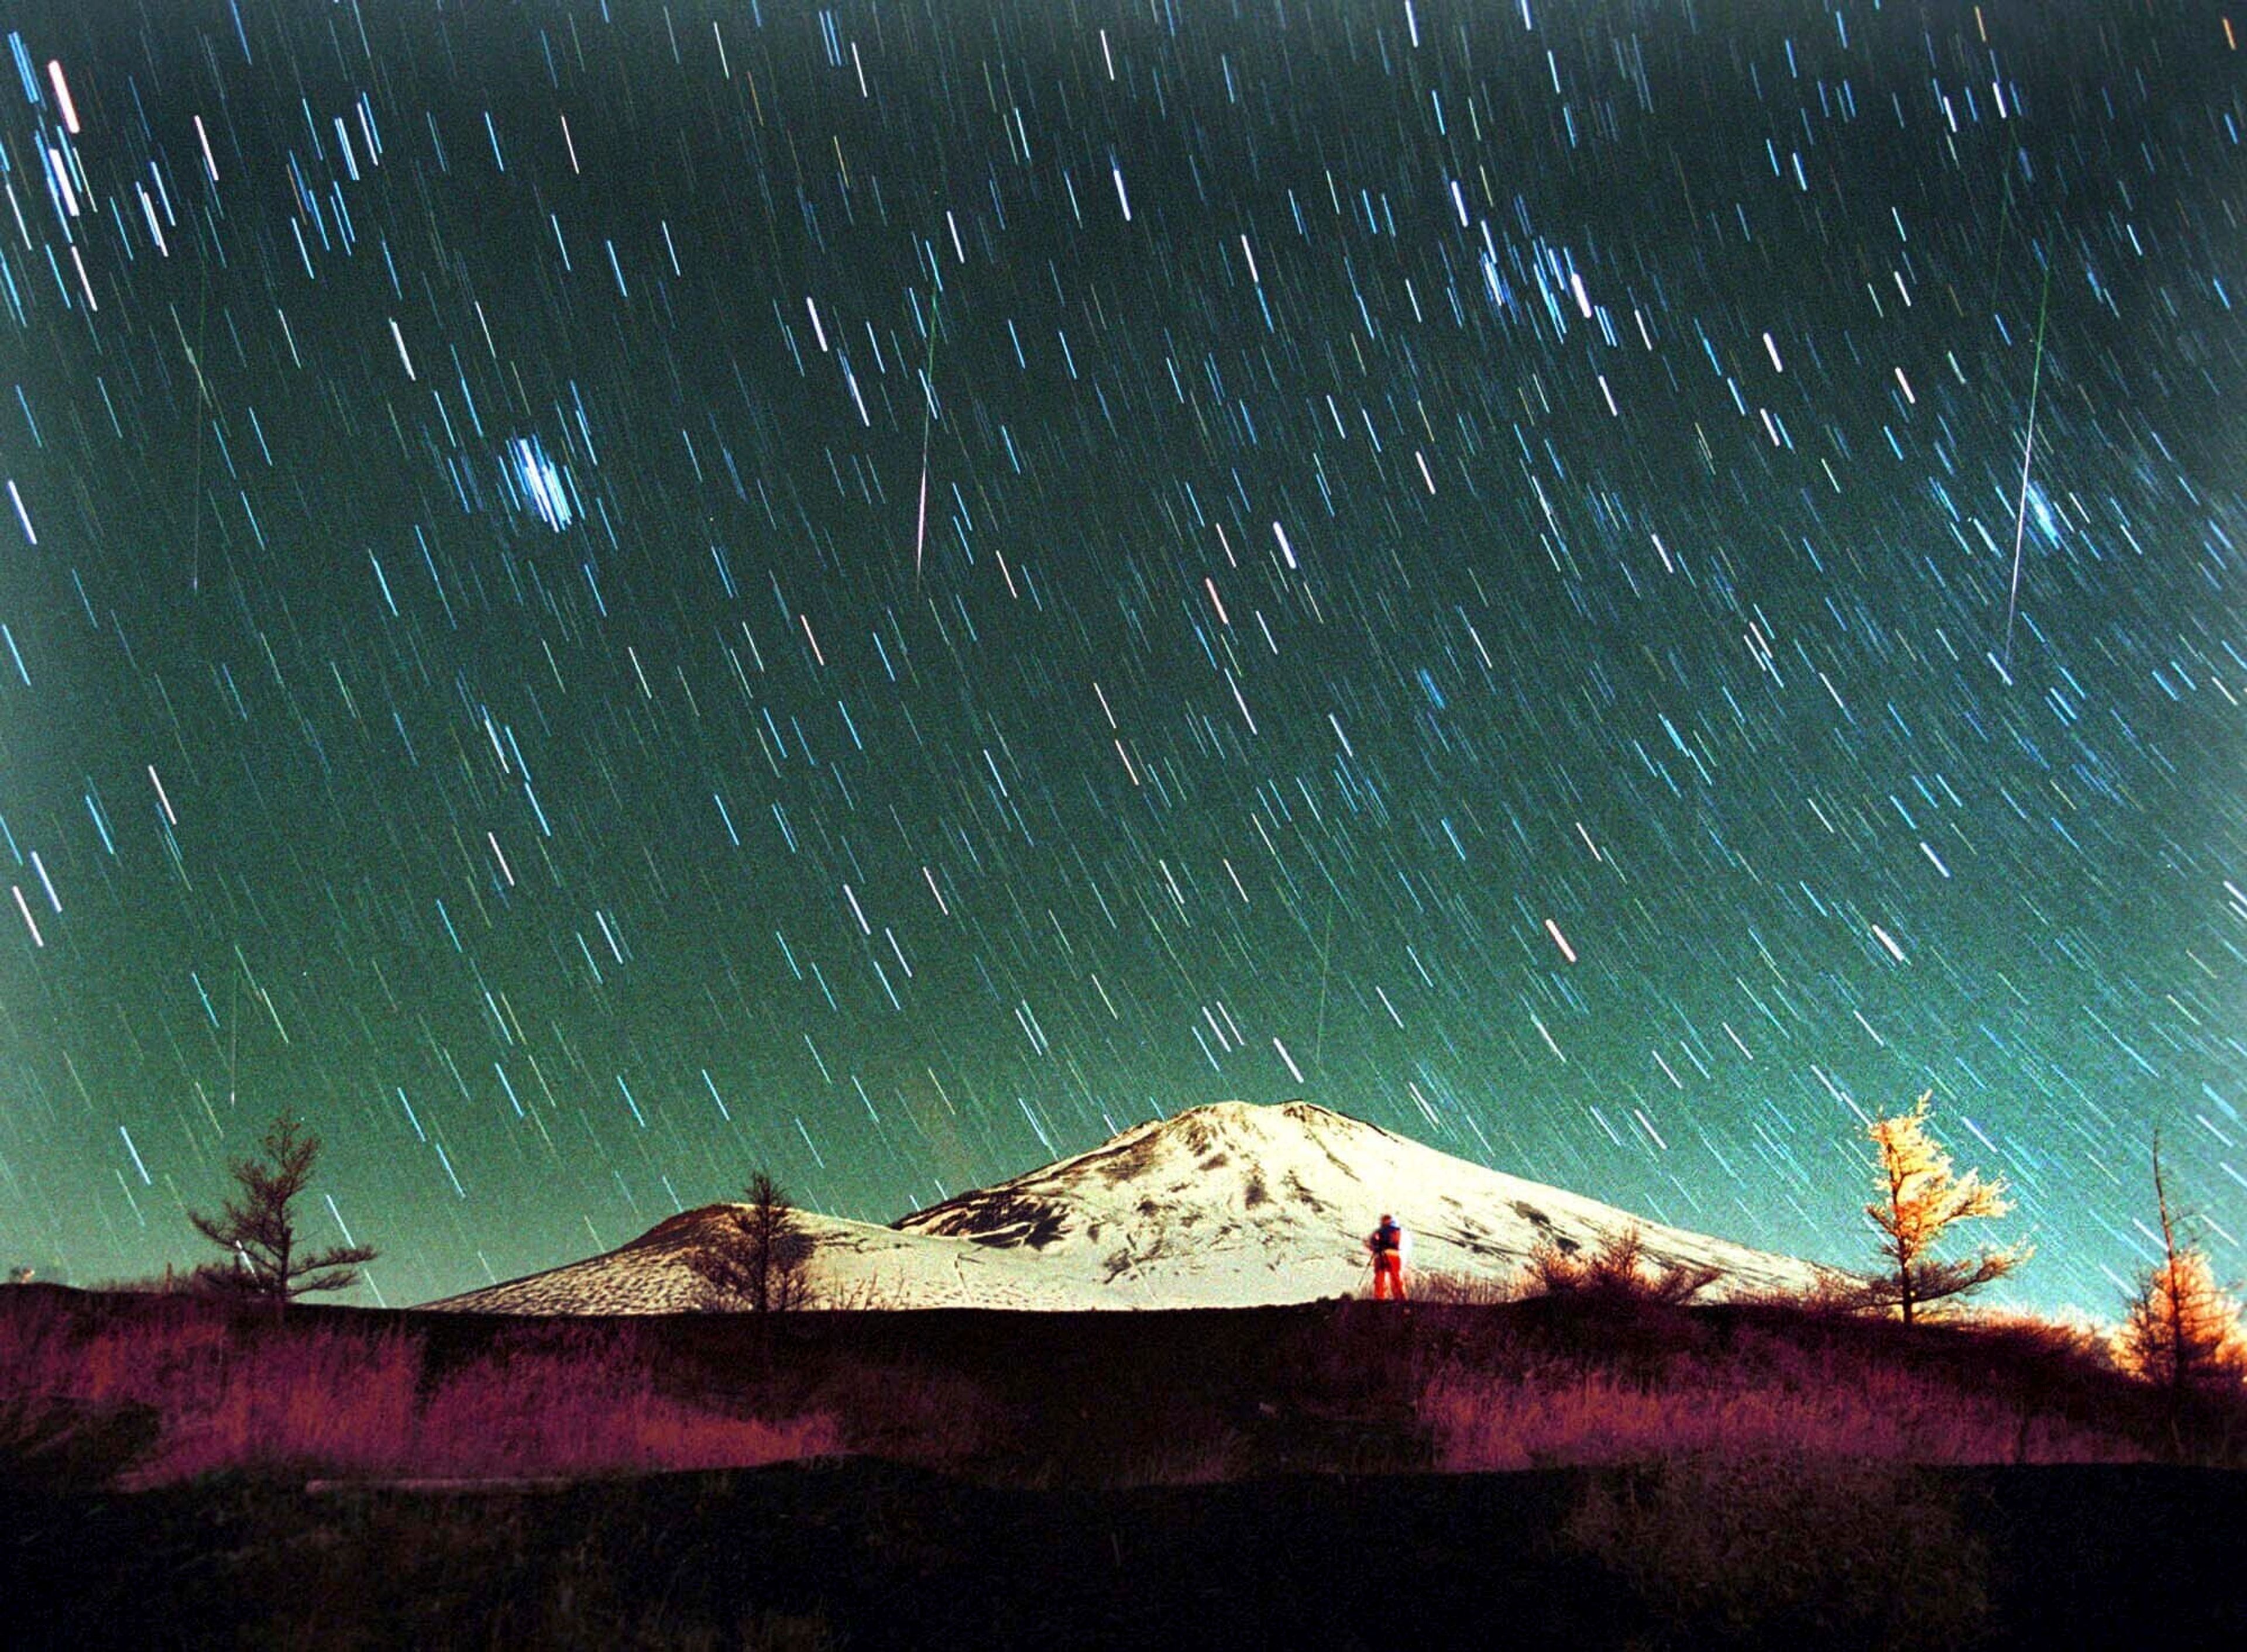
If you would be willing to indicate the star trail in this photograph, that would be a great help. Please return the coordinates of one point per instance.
(598, 595)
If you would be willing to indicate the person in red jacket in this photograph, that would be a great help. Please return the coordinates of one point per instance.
(1386, 1245)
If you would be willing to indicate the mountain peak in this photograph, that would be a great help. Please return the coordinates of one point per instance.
(1216, 1126)
(1225, 1205)
(1265, 1120)
(1219, 1161)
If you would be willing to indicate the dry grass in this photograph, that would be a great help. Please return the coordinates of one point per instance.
(1621, 1377)
(1567, 1414)
(1610, 1373)
(1437, 1288)
(933, 1418)
(1212, 1458)
(244, 1392)
(1782, 1548)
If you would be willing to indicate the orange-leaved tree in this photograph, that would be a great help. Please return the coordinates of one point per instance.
(2181, 1331)
(1921, 1198)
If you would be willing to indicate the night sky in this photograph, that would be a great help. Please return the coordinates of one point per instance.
(601, 595)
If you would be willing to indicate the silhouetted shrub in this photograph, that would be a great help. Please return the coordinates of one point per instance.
(1620, 1269)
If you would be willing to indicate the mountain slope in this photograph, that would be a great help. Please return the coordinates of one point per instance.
(853, 1264)
(1232, 1202)
(1227, 1206)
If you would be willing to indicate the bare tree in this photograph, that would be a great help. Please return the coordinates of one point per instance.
(2181, 1331)
(258, 1227)
(1921, 1198)
(760, 1255)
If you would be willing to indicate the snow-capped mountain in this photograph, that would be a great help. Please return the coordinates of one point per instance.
(1227, 1206)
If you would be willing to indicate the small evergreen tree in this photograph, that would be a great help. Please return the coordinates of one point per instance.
(2181, 1331)
(760, 1256)
(258, 1227)
(1921, 1198)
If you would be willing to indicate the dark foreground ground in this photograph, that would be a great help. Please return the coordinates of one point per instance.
(861, 1553)
(1219, 1479)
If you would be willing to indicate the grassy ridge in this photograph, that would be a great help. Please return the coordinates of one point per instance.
(199, 1471)
(191, 1387)
(200, 1387)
